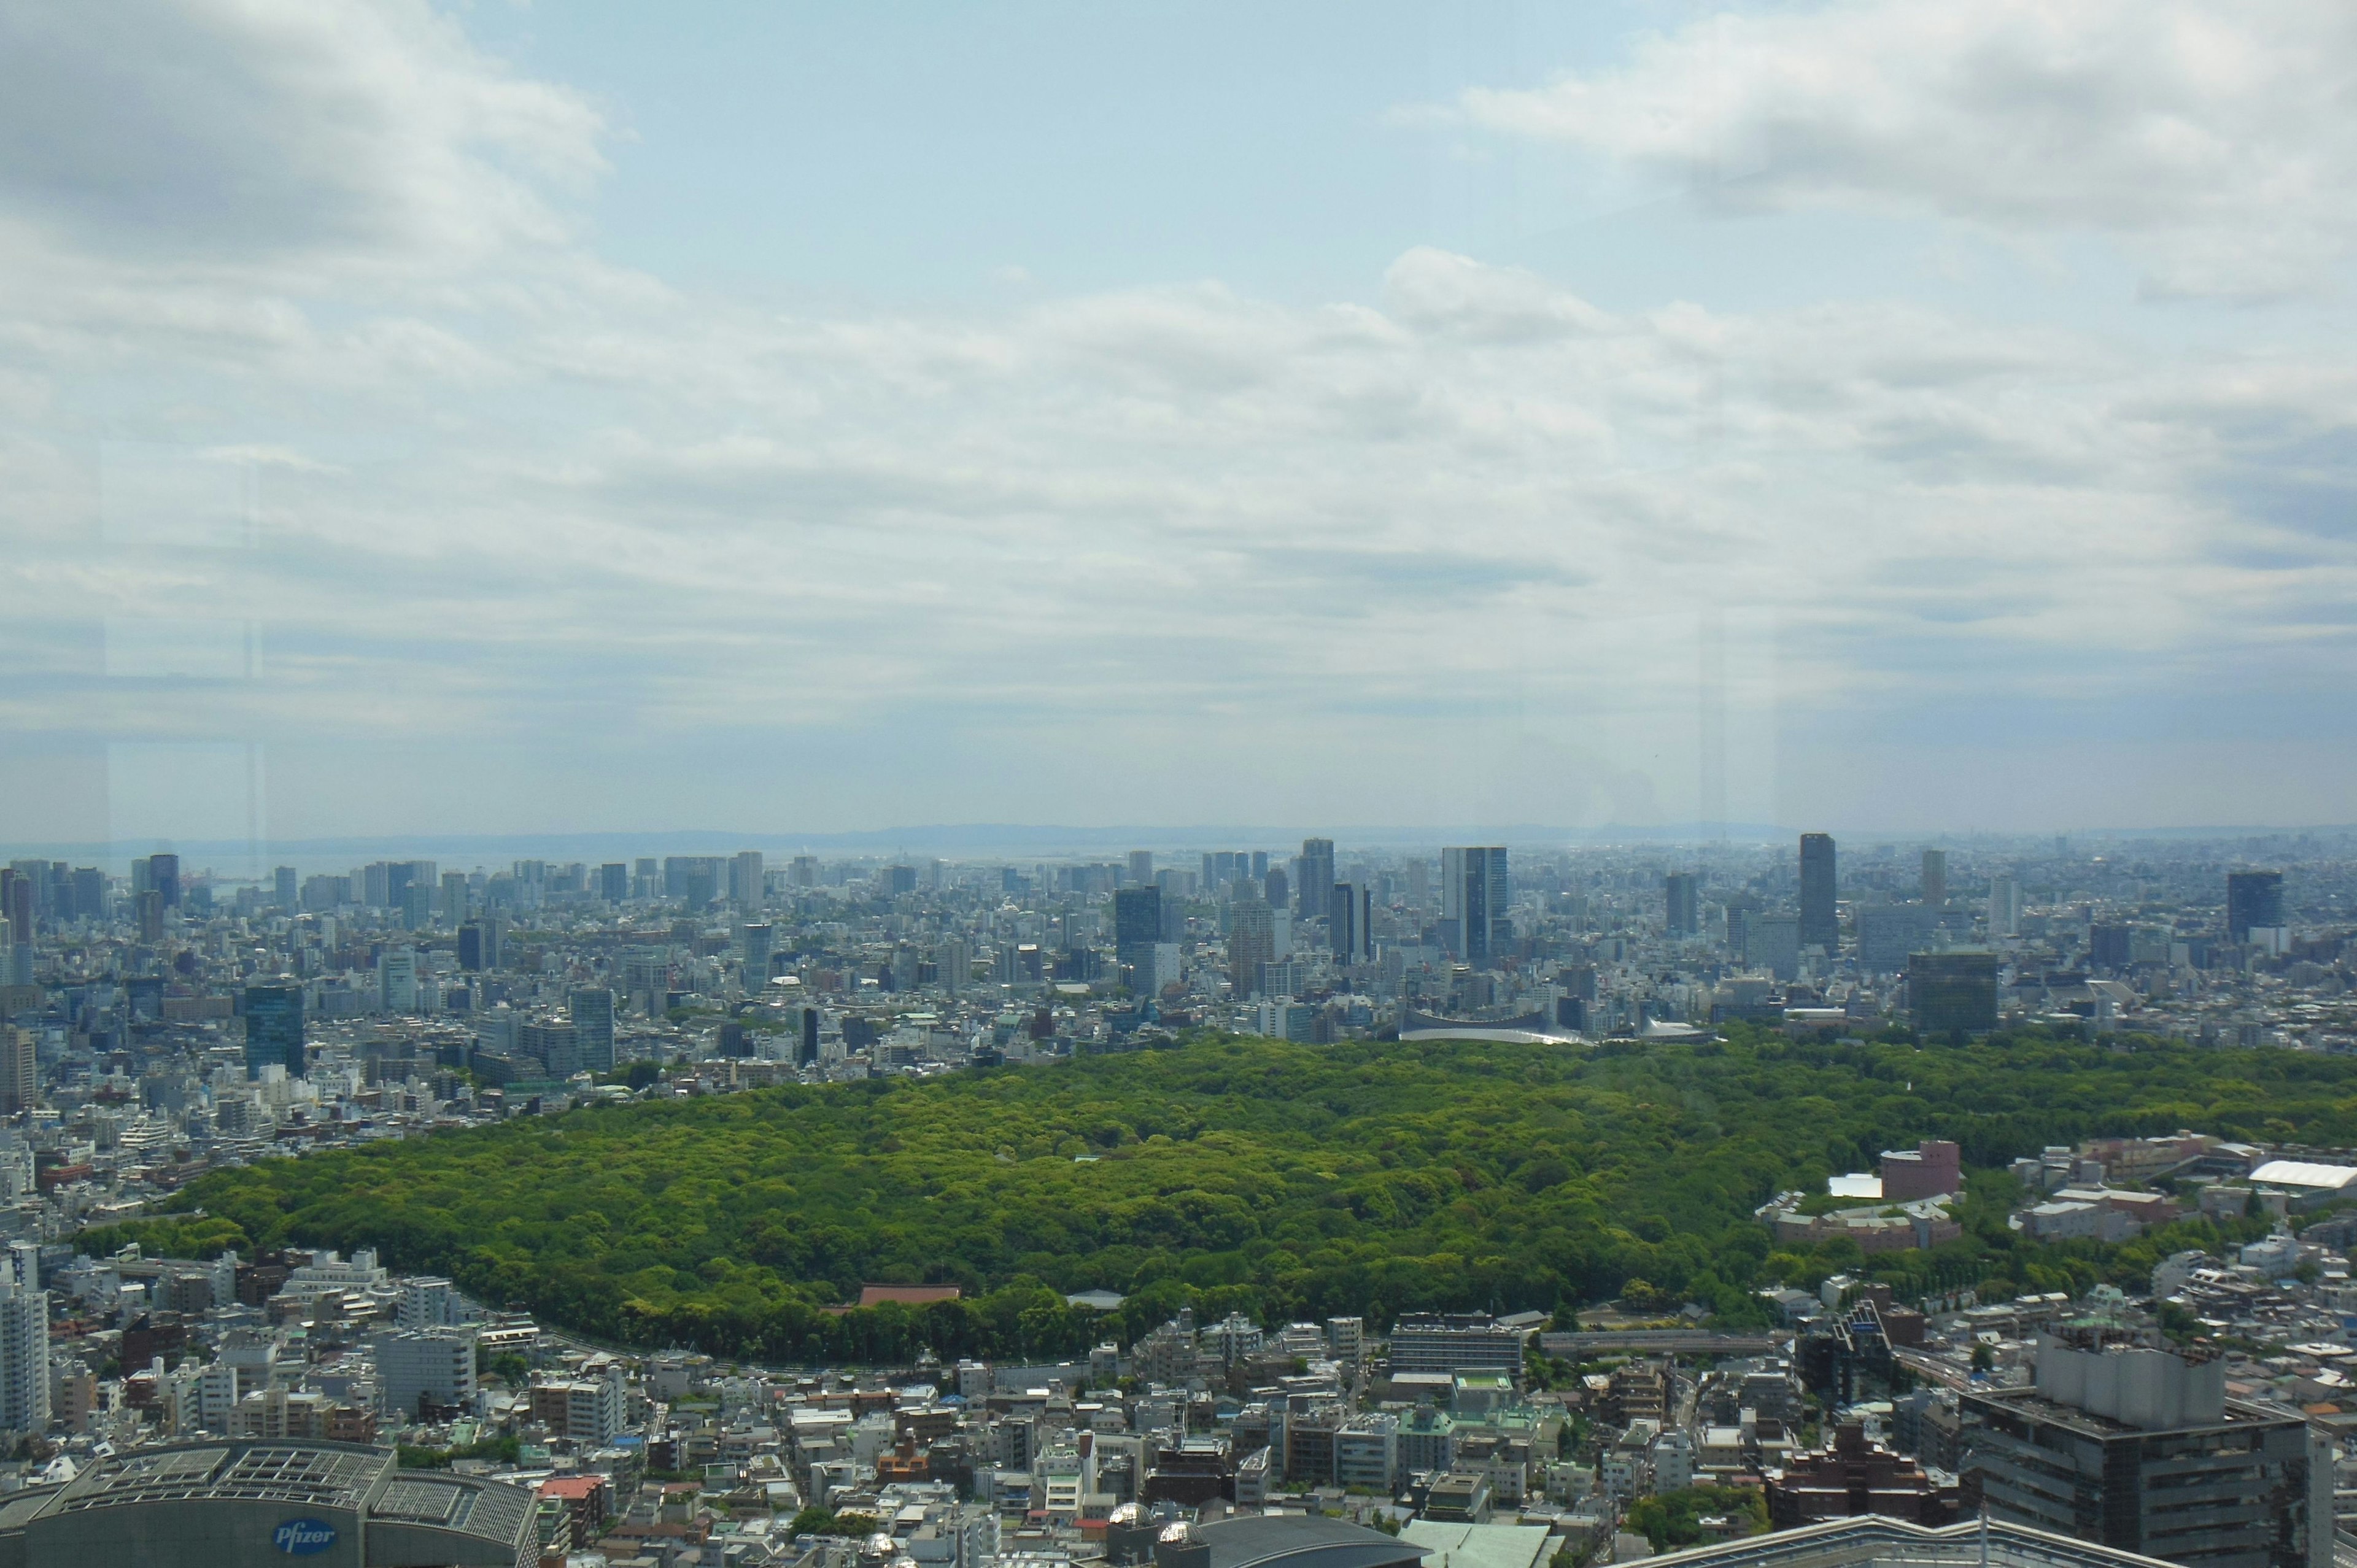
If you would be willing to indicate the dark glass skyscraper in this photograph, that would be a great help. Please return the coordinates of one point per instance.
(592, 1007)
(1820, 926)
(163, 876)
(1683, 916)
(1317, 882)
(1136, 918)
(273, 1028)
(2252, 899)
(1951, 991)
(1474, 894)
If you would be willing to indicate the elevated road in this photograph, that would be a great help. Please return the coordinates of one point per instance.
(1663, 1341)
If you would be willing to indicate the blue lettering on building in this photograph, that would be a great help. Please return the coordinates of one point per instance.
(302, 1537)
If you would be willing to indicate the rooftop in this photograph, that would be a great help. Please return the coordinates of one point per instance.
(1873, 1540)
(1301, 1540)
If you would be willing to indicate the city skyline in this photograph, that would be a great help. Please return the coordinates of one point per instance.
(498, 419)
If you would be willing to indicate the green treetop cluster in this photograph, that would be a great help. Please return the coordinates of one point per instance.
(1286, 1181)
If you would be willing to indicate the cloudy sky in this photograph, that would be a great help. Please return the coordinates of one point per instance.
(484, 418)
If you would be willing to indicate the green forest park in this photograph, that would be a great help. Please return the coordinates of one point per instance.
(1288, 1181)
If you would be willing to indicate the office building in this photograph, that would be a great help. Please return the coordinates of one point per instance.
(1136, 918)
(226, 1504)
(150, 906)
(429, 1302)
(450, 907)
(748, 883)
(1314, 878)
(283, 888)
(1855, 1476)
(20, 1071)
(1474, 894)
(1683, 915)
(1889, 933)
(164, 878)
(1141, 868)
(592, 1007)
(2004, 905)
(1820, 919)
(2254, 898)
(586, 1410)
(89, 893)
(1251, 942)
(753, 956)
(2142, 1451)
(435, 1365)
(396, 979)
(1455, 1342)
(1773, 942)
(24, 1358)
(1952, 993)
(614, 880)
(273, 1028)
(1935, 878)
(1351, 910)
(479, 945)
(553, 1043)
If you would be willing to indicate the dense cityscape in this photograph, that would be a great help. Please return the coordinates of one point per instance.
(1205, 786)
(168, 1024)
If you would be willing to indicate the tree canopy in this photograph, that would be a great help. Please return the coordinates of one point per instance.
(1285, 1180)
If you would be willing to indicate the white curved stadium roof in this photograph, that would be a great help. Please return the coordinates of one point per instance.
(2300, 1173)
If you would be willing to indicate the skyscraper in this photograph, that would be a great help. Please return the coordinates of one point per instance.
(1251, 942)
(282, 886)
(2252, 899)
(1349, 910)
(479, 945)
(24, 1358)
(1935, 876)
(1683, 917)
(1474, 893)
(2005, 904)
(17, 903)
(753, 956)
(396, 979)
(273, 1028)
(1141, 868)
(1137, 926)
(1820, 925)
(163, 876)
(593, 1026)
(746, 879)
(614, 880)
(20, 1071)
(1317, 880)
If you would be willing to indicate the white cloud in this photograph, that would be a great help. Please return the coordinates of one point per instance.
(522, 534)
(2215, 142)
(234, 130)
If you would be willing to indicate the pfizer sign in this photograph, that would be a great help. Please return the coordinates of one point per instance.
(302, 1537)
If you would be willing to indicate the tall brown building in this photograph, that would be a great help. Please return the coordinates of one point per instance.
(1853, 1477)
